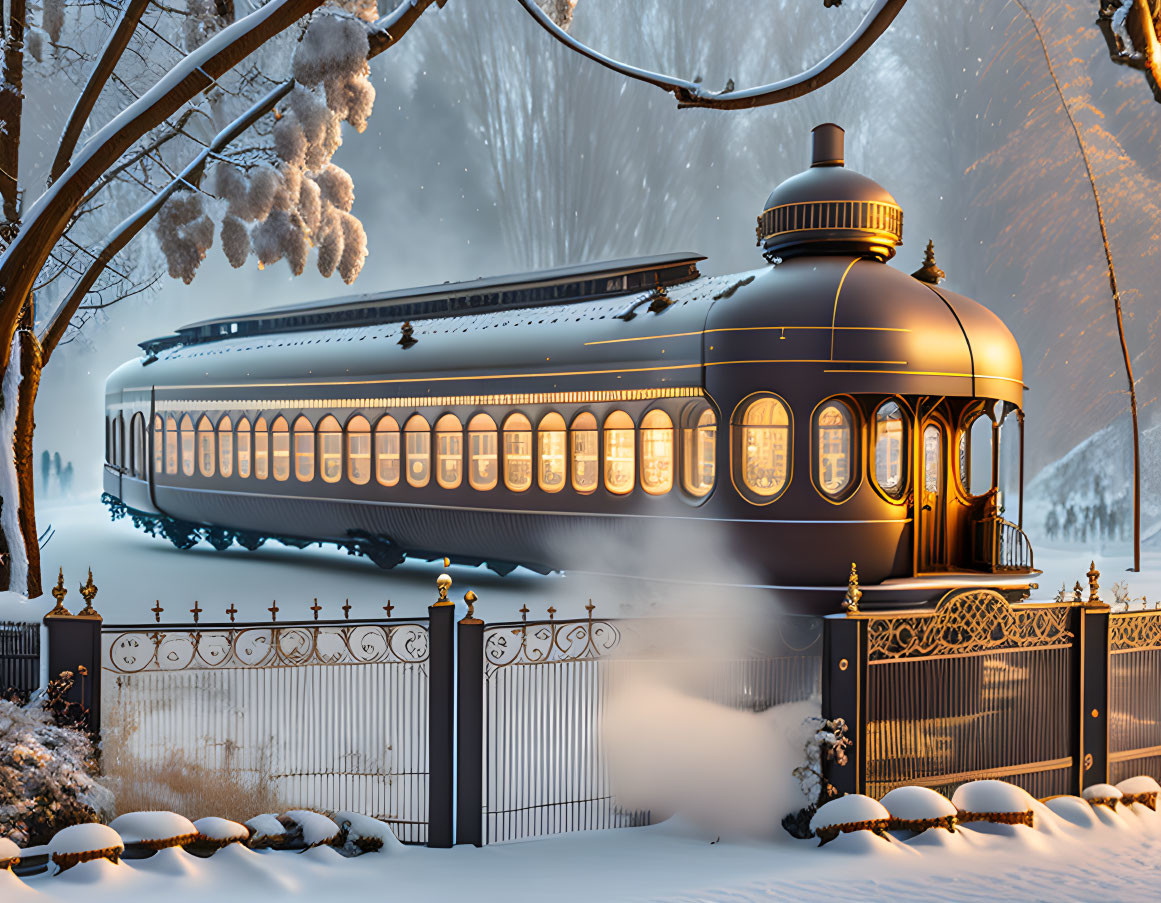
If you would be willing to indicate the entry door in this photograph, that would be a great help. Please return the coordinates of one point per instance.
(933, 499)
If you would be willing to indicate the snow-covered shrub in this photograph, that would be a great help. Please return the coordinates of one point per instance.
(1140, 789)
(220, 832)
(919, 808)
(1102, 795)
(853, 812)
(47, 776)
(155, 830)
(311, 829)
(84, 843)
(366, 835)
(1073, 809)
(266, 831)
(829, 741)
(993, 801)
(9, 853)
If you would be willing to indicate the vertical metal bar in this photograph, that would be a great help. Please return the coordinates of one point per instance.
(1094, 712)
(441, 704)
(470, 732)
(844, 696)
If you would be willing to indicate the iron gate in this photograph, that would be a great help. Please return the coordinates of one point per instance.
(334, 714)
(1134, 694)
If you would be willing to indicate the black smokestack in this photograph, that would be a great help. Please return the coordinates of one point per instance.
(828, 145)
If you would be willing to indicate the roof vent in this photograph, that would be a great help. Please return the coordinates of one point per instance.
(829, 209)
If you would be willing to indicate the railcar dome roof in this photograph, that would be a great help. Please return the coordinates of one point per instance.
(829, 209)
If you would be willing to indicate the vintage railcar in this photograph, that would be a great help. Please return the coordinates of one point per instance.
(634, 416)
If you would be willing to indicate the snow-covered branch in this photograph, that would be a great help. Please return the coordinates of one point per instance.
(106, 62)
(692, 94)
(385, 33)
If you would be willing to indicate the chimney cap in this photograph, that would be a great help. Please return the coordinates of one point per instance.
(827, 146)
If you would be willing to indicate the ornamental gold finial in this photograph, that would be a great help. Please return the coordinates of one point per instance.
(930, 271)
(88, 593)
(471, 618)
(1077, 593)
(59, 592)
(443, 582)
(854, 594)
(1093, 586)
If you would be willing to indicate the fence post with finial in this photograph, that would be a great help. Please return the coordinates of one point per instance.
(74, 645)
(441, 713)
(1092, 737)
(470, 726)
(844, 686)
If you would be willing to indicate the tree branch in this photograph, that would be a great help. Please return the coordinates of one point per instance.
(49, 216)
(385, 34)
(106, 62)
(691, 94)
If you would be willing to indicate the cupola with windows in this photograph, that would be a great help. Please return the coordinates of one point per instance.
(829, 209)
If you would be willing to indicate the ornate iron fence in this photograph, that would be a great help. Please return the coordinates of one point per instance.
(331, 714)
(1134, 694)
(975, 688)
(19, 658)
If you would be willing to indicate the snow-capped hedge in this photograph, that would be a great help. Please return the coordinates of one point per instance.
(1140, 789)
(1074, 809)
(366, 834)
(919, 808)
(1102, 795)
(266, 831)
(853, 812)
(84, 843)
(313, 828)
(994, 801)
(219, 832)
(155, 830)
(9, 853)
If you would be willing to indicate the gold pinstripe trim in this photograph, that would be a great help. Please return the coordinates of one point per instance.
(834, 314)
(678, 335)
(428, 401)
(1007, 379)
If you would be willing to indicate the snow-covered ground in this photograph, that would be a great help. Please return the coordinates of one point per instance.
(1117, 859)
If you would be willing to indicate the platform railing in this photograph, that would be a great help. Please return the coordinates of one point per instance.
(1000, 545)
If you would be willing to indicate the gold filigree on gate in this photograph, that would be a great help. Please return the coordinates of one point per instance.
(281, 646)
(1134, 631)
(967, 622)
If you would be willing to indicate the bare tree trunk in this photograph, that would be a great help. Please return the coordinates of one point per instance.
(30, 365)
(11, 106)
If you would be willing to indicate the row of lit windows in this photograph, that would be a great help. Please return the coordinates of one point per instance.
(582, 454)
(553, 454)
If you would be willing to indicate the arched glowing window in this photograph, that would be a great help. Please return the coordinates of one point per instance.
(170, 445)
(330, 447)
(585, 453)
(483, 465)
(261, 449)
(699, 449)
(158, 444)
(656, 452)
(359, 450)
(280, 449)
(137, 448)
(417, 438)
(387, 451)
(187, 445)
(108, 441)
(242, 445)
(119, 446)
(619, 452)
(975, 455)
(765, 447)
(303, 451)
(225, 447)
(834, 447)
(449, 451)
(550, 438)
(890, 449)
(517, 452)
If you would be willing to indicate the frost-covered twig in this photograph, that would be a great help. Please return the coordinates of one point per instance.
(692, 94)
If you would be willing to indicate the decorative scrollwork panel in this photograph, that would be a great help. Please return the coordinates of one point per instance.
(280, 646)
(969, 622)
(1134, 631)
(544, 642)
